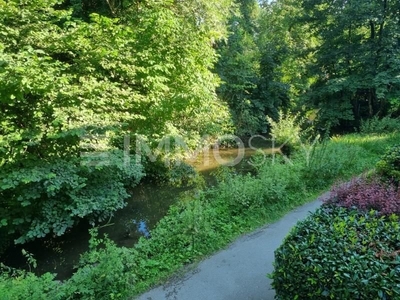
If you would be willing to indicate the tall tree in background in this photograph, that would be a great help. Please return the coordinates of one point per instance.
(278, 44)
(357, 60)
(239, 68)
(250, 66)
(285, 43)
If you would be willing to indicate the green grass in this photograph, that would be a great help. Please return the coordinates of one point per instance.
(207, 220)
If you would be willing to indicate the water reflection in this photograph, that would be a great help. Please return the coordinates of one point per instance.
(139, 227)
(148, 204)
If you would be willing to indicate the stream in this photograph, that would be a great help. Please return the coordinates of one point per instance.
(148, 204)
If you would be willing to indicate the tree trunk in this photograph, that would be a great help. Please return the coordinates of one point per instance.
(370, 103)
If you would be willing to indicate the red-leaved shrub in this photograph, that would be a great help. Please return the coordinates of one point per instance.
(366, 194)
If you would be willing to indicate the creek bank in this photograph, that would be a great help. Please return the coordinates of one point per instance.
(148, 204)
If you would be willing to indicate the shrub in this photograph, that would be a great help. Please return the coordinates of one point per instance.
(367, 194)
(106, 272)
(51, 196)
(286, 131)
(389, 165)
(277, 181)
(376, 125)
(180, 173)
(337, 253)
(21, 285)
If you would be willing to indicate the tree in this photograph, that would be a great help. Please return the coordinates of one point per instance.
(72, 88)
(51, 110)
(238, 68)
(357, 60)
(254, 66)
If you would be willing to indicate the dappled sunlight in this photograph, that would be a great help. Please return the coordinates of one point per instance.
(359, 139)
(212, 159)
(112, 111)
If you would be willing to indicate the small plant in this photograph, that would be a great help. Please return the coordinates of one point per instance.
(21, 285)
(286, 131)
(366, 194)
(105, 272)
(31, 261)
(389, 165)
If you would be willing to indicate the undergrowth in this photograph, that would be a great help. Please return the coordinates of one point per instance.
(206, 220)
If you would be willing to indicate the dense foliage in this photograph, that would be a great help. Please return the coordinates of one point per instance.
(337, 253)
(52, 197)
(73, 87)
(367, 194)
(338, 62)
(78, 76)
(202, 222)
(380, 125)
(248, 67)
(342, 57)
(347, 249)
(96, 94)
(389, 165)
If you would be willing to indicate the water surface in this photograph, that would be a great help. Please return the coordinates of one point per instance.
(148, 204)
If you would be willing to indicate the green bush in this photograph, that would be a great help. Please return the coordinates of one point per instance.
(51, 196)
(21, 285)
(389, 165)
(286, 131)
(376, 125)
(106, 272)
(277, 181)
(338, 253)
